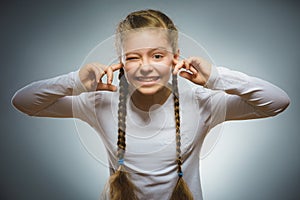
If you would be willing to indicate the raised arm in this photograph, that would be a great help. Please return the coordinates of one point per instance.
(50, 97)
(232, 95)
(53, 97)
(247, 97)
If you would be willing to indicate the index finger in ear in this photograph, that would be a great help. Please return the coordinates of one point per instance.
(175, 61)
(110, 74)
(116, 66)
(178, 66)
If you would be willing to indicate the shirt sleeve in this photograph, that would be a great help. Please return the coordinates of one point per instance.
(236, 96)
(51, 97)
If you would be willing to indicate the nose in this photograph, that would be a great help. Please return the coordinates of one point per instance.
(146, 67)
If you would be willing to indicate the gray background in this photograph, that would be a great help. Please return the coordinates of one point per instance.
(43, 158)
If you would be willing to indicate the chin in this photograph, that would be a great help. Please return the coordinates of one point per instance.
(149, 90)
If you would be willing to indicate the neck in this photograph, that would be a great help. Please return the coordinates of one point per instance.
(145, 102)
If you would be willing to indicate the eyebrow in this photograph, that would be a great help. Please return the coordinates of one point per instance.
(151, 50)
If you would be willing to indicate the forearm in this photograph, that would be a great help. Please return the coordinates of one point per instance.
(37, 96)
(248, 97)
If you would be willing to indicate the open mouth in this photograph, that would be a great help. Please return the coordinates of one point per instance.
(147, 78)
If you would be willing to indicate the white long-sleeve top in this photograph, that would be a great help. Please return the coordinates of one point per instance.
(150, 156)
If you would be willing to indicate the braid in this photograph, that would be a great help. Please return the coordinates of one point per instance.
(134, 21)
(177, 123)
(181, 190)
(121, 188)
(123, 85)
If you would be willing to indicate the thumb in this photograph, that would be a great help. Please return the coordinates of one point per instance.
(107, 87)
(186, 75)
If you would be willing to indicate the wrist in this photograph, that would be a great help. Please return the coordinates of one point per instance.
(211, 76)
(78, 86)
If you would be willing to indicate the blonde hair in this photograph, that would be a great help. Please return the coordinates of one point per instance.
(121, 187)
(148, 19)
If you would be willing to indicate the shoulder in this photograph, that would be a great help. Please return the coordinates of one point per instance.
(190, 92)
(88, 99)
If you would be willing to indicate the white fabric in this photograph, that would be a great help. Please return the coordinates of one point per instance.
(150, 137)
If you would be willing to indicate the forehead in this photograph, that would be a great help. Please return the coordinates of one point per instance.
(145, 39)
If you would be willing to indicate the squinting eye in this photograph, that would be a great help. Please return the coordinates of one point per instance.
(132, 58)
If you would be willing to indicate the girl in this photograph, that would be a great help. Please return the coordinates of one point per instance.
(153, 147)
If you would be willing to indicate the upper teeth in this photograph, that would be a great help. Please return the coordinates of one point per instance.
(147, 78)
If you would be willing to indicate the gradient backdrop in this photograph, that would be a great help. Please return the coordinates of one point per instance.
(43, 158)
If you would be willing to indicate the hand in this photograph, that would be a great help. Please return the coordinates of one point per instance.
(196, 69)
(91, 74)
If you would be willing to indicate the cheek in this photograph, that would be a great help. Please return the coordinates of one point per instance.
(165, 73)
(165, 68)
(131, 67)
(168, 74)
(168, 63)
(128, 74)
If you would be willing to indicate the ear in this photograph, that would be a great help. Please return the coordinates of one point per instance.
(176, 57)
(120, 60)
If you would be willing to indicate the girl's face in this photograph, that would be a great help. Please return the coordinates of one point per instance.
(148, 60)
